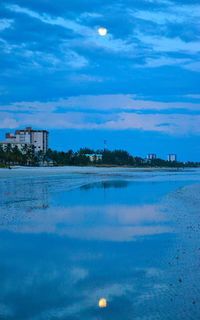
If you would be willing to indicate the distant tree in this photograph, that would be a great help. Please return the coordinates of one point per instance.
(86, 151)
(2, 154)
(117, 157)
(137, 161)
(24, 148)
(17, 155)
(28, 156)
(8, 148)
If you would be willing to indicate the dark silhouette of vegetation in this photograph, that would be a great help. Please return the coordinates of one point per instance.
(28, 157)
(111, 158)
(13, 156)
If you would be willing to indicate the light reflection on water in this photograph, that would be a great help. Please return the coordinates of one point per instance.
(63, 249)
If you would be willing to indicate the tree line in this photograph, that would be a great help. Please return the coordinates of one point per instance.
(115, 157)
(28, 157)
(12, 155)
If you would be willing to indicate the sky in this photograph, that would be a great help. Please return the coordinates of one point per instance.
(138, 87)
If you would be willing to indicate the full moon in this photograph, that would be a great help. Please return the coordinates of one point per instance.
(102, 303)
(102, 31)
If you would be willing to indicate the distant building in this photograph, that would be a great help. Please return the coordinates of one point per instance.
(94, 157)
(171, 157)
(38, 138)
(151, 156)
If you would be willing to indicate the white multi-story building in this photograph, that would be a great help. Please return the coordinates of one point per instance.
(94, 157)
(38, 138)
(171, 157)
(151, 156)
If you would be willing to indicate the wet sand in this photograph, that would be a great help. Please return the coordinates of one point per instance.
(69, 238)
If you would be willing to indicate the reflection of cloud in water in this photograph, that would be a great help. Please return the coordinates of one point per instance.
(78, 274)
(106, 222)
(116, 293)
(44, 277)
(59, 281)
(5, 311)
(116, 234)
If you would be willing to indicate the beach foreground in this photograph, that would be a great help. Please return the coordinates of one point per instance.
(71, 236)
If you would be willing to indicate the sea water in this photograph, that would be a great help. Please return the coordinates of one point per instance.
(71, 236)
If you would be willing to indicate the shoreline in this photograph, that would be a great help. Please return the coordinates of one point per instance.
(91, 174)
(103, 166)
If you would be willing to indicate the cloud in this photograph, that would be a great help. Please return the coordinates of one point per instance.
(7, 47)
(175, 30)
(8, 122)
(5, 23)
(157, 17)
(164, 44)
(84, 78)
(90, 15)
(63, 58)
(73, 59)
(193, 96)
(104, 103)
(165, 2)
(104, 112)
(90, 36)
(121, 101)
(172, 14)
(174, 124)
(163, 61)
(193, 66)
(54, 21)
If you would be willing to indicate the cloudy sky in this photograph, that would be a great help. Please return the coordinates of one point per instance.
(138, 87)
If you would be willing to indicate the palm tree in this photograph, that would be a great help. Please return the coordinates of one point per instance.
(8, 148)
(17, 155)
(24, 149)
(2, 154)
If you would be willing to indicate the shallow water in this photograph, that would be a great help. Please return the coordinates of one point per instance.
(70, 236)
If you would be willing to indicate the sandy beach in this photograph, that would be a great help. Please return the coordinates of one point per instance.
(129, 235)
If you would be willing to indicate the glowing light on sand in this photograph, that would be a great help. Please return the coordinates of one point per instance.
(102, 303)
(102, 31)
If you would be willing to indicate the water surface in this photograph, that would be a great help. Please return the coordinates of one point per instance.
(70, 236)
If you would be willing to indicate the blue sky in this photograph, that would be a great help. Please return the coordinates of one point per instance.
(138, 87)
